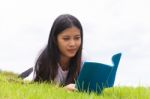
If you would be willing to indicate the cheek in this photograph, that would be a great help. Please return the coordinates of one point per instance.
(79, 44)
(61, 45)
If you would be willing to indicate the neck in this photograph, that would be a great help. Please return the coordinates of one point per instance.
(64, 63)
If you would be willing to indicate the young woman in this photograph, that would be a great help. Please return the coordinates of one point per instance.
(60, 61)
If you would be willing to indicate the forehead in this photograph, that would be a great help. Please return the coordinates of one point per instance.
(72, 31)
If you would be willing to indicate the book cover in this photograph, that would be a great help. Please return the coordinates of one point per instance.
(94, 77)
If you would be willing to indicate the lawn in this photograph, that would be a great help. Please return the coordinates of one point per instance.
(11, 87)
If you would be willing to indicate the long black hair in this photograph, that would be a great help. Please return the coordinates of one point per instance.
(47, 63)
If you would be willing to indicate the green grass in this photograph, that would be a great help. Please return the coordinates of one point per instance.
(12, 87)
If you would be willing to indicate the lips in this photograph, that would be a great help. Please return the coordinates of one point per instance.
(71, 50)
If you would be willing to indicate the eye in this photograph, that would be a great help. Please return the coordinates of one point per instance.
(66, 38)
(77, 38)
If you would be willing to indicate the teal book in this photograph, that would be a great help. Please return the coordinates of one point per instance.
(94, 77)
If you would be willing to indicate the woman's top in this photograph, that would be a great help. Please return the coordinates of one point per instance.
(61, 76)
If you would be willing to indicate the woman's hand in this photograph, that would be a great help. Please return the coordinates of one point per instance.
(70, 87)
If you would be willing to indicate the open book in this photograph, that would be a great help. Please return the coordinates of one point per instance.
(94, 77)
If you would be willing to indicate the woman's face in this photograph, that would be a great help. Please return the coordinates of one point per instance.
(69, 42)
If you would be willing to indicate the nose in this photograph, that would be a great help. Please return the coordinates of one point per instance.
(72, 42)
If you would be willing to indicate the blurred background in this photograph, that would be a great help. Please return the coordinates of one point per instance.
(110, 27)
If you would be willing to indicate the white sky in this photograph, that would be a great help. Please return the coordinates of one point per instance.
(110, 26)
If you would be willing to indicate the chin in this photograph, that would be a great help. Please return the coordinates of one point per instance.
(71, 55)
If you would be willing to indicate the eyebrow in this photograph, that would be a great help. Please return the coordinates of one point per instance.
(69, 35)
(78, 35)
